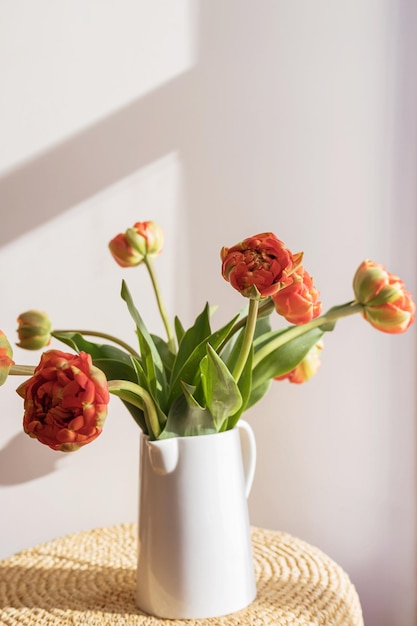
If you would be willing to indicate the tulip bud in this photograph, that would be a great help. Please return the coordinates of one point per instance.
(123, 253)
(6, 360)
(389, 307)
(307, 367)
(146, 238)
(130, 248)
(373, 285)
(34, 330)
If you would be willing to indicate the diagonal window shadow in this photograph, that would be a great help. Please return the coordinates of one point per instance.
(96, 158)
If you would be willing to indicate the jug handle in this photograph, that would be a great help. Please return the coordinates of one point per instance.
(248, 446)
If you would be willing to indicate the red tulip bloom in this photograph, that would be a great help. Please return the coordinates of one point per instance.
(299, 301)
(65, 401)
(258, 266)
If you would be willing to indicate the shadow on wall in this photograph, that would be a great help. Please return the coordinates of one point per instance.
(21, 461)
(91, 161)
(185, 115)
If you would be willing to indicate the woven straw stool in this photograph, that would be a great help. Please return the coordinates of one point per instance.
(89, 578)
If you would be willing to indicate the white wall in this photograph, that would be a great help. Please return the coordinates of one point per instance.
(220, 120)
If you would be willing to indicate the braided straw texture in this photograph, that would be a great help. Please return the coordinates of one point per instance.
(90, 577)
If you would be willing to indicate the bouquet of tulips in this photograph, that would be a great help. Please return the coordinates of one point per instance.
(196, 380)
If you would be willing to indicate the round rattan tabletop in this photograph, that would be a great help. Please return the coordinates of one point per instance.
(89, 578)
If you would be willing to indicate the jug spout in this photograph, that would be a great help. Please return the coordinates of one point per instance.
(163, 455)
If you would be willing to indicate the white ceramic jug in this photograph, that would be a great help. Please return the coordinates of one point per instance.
(195, 552)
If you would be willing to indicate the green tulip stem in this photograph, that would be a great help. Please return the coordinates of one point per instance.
(22, 370)
(161, 307)
(247, 338)
(263, 309)
(96, 333)
(139, 397)
(335, 313)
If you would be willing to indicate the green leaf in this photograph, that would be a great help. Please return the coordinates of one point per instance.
(144, 382)
(286, 357)
(233, 354)
(151, 360)
(263, 326)
(245, 387)
(138, 415)
(194, 335)
(167, 357)
(189, 372)
(189, 391)
(179, 329)
(115, 363)
(148, 364)
(221, 391)
(186, 418)
(97, 350)
(267, 337)
(257, 393)
(227, 349)
(116, 370)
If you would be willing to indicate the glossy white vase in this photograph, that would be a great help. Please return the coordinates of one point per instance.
(195, 553)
